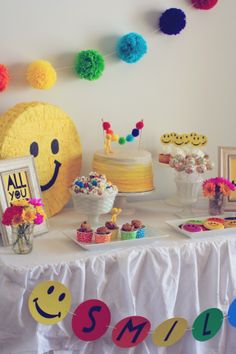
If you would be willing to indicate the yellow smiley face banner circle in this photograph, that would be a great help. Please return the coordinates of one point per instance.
(49, 302)
(47, 133)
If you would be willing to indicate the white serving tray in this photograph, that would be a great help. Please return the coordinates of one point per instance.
(152, 235)
(194, 235)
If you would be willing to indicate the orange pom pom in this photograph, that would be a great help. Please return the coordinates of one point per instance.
(4, 77)
(109, 131)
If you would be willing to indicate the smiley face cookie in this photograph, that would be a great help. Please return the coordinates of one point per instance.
(213, 225)
(230, 223)
(47, 133)
(191, 227)
(49, 302)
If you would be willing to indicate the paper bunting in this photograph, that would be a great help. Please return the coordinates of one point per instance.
(131, 331)
(90, 320)
(207, 324)
(49, 302)
(169, 332)
(232, 314)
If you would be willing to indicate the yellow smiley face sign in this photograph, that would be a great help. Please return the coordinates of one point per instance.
(47, 133)
(49, 302)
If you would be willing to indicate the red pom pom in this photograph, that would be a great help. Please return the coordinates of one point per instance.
(109, 131)
(204, 4)
(106, 125)
(140, 125)
(4, 77)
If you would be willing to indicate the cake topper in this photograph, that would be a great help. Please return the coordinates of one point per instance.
(114, 213)
(109, 135)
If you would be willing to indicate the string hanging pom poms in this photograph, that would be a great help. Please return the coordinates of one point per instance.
(41, 75)
(204, 4)
(131, 47)
(4, 77)
(172, 21)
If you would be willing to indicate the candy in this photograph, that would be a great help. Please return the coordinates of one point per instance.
(94, 184)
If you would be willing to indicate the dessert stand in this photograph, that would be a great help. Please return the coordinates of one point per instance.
(121, 201)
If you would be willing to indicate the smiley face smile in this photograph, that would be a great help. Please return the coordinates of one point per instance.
(43, 313)
(54, 177)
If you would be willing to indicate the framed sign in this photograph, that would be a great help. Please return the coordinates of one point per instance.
(18, 180)
(227, 169)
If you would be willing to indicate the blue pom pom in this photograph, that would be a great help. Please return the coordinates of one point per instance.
(131, 47)
(130, 138)
(94, 182)
(79, 184)
(172, 21)
(135, 132)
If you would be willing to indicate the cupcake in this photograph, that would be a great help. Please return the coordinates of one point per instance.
(128, 232)
(113, 228)
(85, 232)
(102, 235)
(139, 227)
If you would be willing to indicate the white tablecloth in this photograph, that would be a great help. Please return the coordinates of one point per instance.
(174, 276)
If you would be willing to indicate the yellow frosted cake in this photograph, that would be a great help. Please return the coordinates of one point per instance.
(130, 170)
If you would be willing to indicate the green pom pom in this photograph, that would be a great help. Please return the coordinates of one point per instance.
(122, 140)
(89, 64)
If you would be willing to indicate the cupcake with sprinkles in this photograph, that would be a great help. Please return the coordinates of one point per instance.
(139, 227)
(128, 232)
(85, 233)
(102, 235)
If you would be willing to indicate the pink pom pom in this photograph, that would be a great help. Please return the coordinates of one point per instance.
(140, 125)
(4, 77)
(204, 4)
(106, 125)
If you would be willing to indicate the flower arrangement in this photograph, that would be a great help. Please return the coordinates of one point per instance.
(23, 212)
(218, 185)
(216, 189)
(22, 215)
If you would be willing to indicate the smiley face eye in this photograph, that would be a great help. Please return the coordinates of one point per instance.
(50, 290)
(34, 149)
(55, 146)
(62, 297)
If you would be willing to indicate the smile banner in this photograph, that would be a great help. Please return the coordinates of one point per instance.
(50, 302)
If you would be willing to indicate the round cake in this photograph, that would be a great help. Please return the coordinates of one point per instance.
(130, 170)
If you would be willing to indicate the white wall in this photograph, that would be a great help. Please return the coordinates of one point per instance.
(185, 83)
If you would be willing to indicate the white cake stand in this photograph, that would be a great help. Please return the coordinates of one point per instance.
(121, 201)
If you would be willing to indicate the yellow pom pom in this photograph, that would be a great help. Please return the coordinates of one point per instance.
(115, 137)
(41, 75)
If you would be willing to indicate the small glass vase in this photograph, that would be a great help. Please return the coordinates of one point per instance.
(216, 204)
(22, 238)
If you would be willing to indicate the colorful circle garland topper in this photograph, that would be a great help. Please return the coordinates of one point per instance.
(204, 4)
(89, 64)
(172, 21)
(4, 77)
(41, 75)
(110, 136)
(131, 47)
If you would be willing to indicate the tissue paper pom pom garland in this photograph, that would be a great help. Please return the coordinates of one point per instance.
(131, 47)
(204, 4)
(172, 21)
(41, 75)
(4, 77)
(89, 64)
